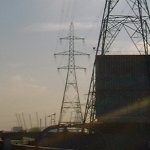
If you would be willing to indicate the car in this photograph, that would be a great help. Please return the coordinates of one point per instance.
(71, 136)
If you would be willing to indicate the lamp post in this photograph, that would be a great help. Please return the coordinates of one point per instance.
(52, 119)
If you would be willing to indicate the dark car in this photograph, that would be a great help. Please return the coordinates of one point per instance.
(71, 137)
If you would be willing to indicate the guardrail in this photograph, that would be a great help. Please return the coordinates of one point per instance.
(30, 147)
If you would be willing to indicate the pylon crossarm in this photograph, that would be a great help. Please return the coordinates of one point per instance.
(78, 67)
(62, 53)
(65, 38)
(80, 53)
(73, 67)
(67, 53)
(78, 38)
(64, 67)
(71, 37)
(116, 23)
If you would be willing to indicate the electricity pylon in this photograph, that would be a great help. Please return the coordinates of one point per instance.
(136, 24)
(71, 108)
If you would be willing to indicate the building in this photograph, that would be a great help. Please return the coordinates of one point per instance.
(17, 129)
(122, 88)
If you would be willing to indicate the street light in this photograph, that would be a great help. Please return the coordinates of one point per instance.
(52, 118)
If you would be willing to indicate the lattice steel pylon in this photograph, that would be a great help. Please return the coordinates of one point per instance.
(136, 25)
(71, 108)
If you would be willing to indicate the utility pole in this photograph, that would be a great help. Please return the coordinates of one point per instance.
(45, 121)
(135, 24)
(37, 119)
(71, 100)
(52, 119)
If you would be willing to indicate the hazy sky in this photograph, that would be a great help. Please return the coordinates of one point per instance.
(29, 33)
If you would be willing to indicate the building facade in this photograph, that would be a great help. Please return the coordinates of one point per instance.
(122, 88)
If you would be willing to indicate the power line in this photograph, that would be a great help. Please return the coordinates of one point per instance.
(60, 23)
(74, 10)
(92, 27)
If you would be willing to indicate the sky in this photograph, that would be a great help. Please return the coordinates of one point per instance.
(30, 83)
